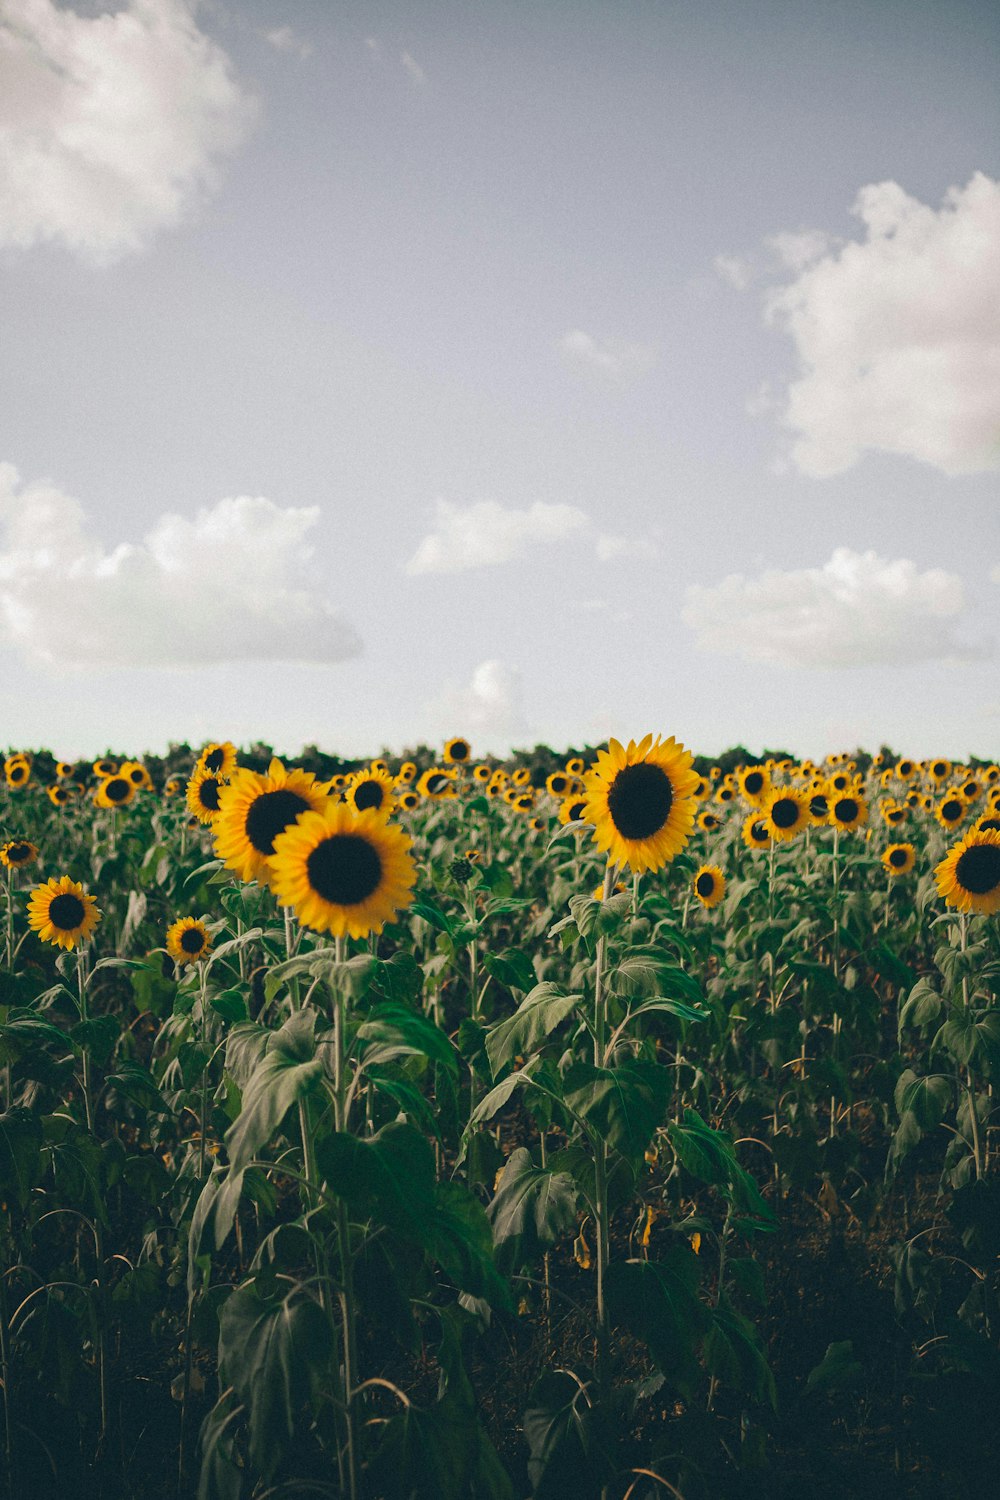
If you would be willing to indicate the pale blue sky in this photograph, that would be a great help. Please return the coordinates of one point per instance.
(396, 255)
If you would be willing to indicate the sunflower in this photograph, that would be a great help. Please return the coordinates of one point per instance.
(558, 784)
(437, 783)
(969, 875)
(536, 824)
(254, 809)
(987, 823)
(408, 801)
(725, 794)
(702, 788)
(848, 811)
(575, 766)
(971, 789)
(114, 791)
(457, 751)
(343, 871)
(64, 768)
(939, 770)
(204, 795)
(17, 769)
(899, 859)
(105, 767)
(17, 854)
(786, 813)
(218, 758)
(173, 786)
(58, 795)
(707, 821)
(188, 940)
(640, 799)
(754, 783)
(408, 772)
(521, 777)
(523, 802)
(819, 806)
(892, 812)
(709, 885)
(379, 765)
(135, 771)
(839, 782)
(61, 912)
(482, 773)
(905, 769)
(950, 810)
(756, 834)
(370, 789)
(573, 810)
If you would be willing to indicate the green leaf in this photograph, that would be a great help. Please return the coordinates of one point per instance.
(538, 1015)
(658, 1302)
(431, 914)
(734, 1353)
(276, 1354)
(533, 1206)
(570, 1442)
(394, 1030)
(389, 1178)
(230, 1005)
(837, 1370)
(20, 1154)
(624, 1104)
(280, 1078)
(512, 968)
(97, 1037)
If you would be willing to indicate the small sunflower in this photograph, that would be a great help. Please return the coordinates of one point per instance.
(575, 766)
(343, 872)
(370, 789)
(481, 773)
(969, 875)
(255, 809)
(754, 783)
(64, 769)
(218, 758)
(17, 854)
(756, 834)
(939, 770)
(786, 813)
(640, 799)
(521, 777)
(408, 772)
(436, 783)
(204, 795)
(848, 810)
(899, 859)
(536, 824)
(558, 784)
(725, 794)
(58, 795)
(188, 940)
(703, 789)
(573, 810)
(905, 769)
(61, 912)
(819, 806)
(709, 885)
(457, 751)
(173, 786)
(114, 791)
(523, 802)
(951, 810)
(893, 813)
(707, 821)
(105, 767)
(408, 801)
(17, 769)
(135, 771)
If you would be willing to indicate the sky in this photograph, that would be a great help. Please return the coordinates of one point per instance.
(522, 369)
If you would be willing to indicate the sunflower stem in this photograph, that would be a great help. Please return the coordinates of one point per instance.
(601, 1214)
(346, 1295)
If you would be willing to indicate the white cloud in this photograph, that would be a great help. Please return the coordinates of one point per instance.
(111, 125)
(899, 335)
(484, 533)
(488, 709)
(614, 359)
(738, 272)
(609, 545)
(414, 69)
(232, 584)
(857, 610)
(284, 39)
(798, 250)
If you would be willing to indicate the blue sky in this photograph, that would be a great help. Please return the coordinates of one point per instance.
(377, 372)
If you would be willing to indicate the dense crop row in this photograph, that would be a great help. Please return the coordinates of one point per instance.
(427, 1131)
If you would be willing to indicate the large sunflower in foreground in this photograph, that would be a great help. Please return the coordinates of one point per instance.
(254, 809)
(640, 799)
(61, 912)
(343, 871)
(969, 875)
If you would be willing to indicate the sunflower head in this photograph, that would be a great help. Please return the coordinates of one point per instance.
(188, 940)
(482, 774)
(58, 795)
(640, 799)
(204, 794)
(709, 885)
(17, 854)
(786, 813)
(342, 871)
(407, 773)
(408, 801)
(848, 809)
(951, 809)
(218, 758)
(707, 821)
(558, 784)
(114, 791)
(969, 875)
(521, 777)
(457, 751)
(370, 789)
(899, 859)
(105, 767)
(754, 783)
(575, 766)
(255, 809)
(437, 783)
(573, 810)
(64, 768)
(17, 769)
(61, 912)
(135, 771)
(756, 834)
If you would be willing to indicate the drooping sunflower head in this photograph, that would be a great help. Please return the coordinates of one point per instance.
(114, 791)
(899, 859)
(457, 751)
(218, 758)
(370, 789)
(756, 834)
(640, 799)
(255, 809)
(819, 806)
(786, 813)
(342, 871)
(709, 885)
(521, 777)
(204, 794)
(188, 940)
(61, 912)
(17, 854)
(969, 875)
(523, 802)
(848, 810)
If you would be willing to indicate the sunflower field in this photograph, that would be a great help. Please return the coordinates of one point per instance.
(612, 1125)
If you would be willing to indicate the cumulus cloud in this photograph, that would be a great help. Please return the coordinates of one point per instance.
(857, 610)
(488, 709)
(484, 533)
(898, 334)
(234, 583)
(614, 359)
(111, 125)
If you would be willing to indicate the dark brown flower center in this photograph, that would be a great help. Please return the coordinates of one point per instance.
(753, 782)
(117, 789)
(897, 857)
(845, 810)
(66, 912)
(785, 812)
(951, 810)
(705, 884)
(270, 814)
(344, 869)
(214, 759)
(978, 869)
(640, 799)
(208, 793)
(192, 940)
(368, 794)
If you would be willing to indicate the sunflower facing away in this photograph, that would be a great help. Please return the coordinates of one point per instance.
(899, 859)
(640, 799)
(254, 809)
(188, 940)
(969, 875)
(343, 872)
(61, 912)
(709, 885)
